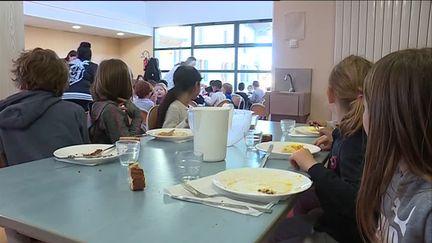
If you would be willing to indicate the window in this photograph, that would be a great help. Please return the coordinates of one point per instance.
(233, 52)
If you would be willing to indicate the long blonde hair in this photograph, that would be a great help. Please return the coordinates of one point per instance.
(346, 80)
(398, 94)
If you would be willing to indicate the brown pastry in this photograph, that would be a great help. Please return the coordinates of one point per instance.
(136, 177)
(266, 138)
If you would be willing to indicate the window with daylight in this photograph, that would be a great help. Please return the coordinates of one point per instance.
(233, 52)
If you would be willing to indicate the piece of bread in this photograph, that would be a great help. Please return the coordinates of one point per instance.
(136, 177)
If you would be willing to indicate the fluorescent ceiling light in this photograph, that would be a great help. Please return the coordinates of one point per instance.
(76, 27)
(120, 33)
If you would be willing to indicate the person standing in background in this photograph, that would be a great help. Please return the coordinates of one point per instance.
(152, 71)
(81, 76)
(190, 61)
(72, 55)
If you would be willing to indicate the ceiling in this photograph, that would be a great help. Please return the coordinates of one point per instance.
(66, 26)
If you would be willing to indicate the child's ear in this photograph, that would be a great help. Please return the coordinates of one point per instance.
(331, 95)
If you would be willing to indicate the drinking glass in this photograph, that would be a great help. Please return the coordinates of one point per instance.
(287, 126)
(188, 165)
(254, 122)
(252, 138)
(128, 151)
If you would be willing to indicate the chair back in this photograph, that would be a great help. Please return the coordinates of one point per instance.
(223, 102)
(152, 117)
(259, 109)
(193, 103)
(238, 101)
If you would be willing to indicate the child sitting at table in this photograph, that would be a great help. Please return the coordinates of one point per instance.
(35, 121)
(217, 95)
(143, 91)
(159, 92)
(173, 110)
(112, 114)
(395, 196)
(335, 186)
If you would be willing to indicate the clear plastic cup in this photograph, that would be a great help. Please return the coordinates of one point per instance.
(287, 126)
(252, 138)
(188, 165)
(128, 151)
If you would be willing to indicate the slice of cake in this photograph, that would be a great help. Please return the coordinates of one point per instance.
(136, 177)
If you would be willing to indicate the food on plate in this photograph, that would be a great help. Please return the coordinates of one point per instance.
(136, 177)
(167, 134)
(266, 190)
(291, 148)
(97, 152)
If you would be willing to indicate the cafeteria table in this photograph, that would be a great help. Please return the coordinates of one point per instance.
(58, 202)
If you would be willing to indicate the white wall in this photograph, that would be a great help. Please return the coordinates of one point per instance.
(315, 51)
(166, 13)
(126, 16)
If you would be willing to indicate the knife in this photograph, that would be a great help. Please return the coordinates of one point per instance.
(265, 158)
(223, 204)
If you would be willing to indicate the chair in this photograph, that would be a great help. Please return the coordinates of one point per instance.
(259, 109)
(144, 115)
(223, 102)
(152, 117)
(238, 101)
(193, 103)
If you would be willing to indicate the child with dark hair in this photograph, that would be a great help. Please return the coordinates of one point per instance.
(241, 87)
(35, 121)
(81, 76)
(217, 95)
(173, 110)
(143, 91)
(72, 55)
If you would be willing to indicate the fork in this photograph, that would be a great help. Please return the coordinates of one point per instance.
(199, 194)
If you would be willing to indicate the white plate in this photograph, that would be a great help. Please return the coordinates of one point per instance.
(245, 182)
(279, 146)
(307, 131)
(179, 134)
(85, 149)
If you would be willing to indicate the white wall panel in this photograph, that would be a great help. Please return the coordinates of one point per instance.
(396, 26)
(338, 31)
(375, 28)
(346, 28)
(370, 22)
(387, 28)
(405, 19)
(424, 21)
(414, 24)
(354, 27)
(362, 29)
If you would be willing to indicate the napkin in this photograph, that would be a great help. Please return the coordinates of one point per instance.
(206, 186)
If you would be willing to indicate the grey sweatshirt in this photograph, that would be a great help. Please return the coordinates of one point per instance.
(33, 124)
(407, 209)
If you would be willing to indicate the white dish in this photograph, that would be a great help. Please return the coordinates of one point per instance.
(179, 134)
(244, 183)
(278, 147)
(79, 150)
(306, 131)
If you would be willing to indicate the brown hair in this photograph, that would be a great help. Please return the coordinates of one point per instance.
(346, 79)
(143, 88)
(40, 69)
(397, 91)
(227, 88)
(112, 81)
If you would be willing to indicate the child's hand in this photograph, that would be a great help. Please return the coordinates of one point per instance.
(317, 123)
(324, 142)
(303, 158)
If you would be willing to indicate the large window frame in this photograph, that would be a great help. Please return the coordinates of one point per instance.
(236, 45)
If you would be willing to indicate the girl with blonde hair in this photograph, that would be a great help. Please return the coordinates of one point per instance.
(335, 186)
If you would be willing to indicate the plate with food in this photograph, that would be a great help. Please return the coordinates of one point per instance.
(306, 131)
(287, 148)
(171, 134)
(87, 154)
(261, 184)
